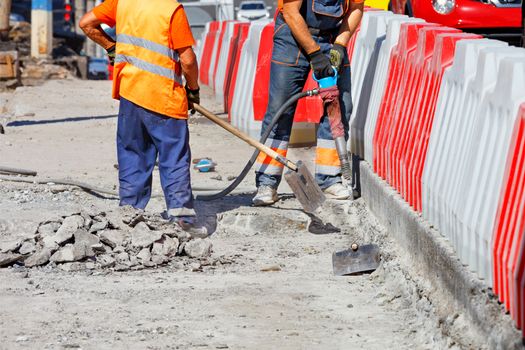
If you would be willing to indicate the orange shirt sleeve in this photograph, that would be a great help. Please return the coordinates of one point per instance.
(107, 12)
(181, 35)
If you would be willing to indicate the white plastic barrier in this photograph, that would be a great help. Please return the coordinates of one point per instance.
(200, 42)
(383, 65)
(373, 25)
(214, 54)
(223, 61)
(490, 108)
(242, 104)
(488, 158)
(449, 129)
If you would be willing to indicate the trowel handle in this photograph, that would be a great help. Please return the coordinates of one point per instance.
(228, 127)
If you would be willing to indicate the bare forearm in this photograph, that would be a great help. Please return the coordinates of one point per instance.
(91, 27)
(190, 68)
(298, 26)
(350, 24)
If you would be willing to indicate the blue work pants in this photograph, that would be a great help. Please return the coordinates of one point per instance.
(142, 135)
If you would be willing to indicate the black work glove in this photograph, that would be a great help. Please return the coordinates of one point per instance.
(337, 54)
(320, 65)
(111, 54)
(193, 96)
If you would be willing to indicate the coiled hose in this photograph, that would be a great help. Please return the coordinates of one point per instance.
(255, 154)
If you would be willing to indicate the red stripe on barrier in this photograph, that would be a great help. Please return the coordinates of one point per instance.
(207, 50)
(245, 28)
(508, 243)
(232, 60)
(408, 38)
(218, 52)
(444, 50)
(262, 73)
(402, 137)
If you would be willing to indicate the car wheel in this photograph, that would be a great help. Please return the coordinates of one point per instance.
(408, 9)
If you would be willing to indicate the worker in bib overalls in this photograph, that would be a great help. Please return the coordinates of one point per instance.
(309, 34)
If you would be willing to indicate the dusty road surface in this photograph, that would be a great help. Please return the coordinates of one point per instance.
(267, 285)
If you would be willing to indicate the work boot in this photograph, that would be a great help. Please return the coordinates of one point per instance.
(266, 195)
(187, 224)
(337, 191)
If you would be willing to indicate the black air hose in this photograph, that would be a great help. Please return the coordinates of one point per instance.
(255, 154)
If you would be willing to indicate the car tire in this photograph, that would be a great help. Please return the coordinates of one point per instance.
(408, 9)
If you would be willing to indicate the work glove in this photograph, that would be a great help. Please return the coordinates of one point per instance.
(320, 65)
(193, 96)
(337, 54)
(111, 54)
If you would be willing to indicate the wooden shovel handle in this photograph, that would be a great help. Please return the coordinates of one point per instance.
(263, 148)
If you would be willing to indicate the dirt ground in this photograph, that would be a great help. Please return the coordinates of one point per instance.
(274, 287)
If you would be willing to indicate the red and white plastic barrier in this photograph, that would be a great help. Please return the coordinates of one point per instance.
(445, 126)
(509, 243)
(224, 58)
(372, 27)
(241, 112)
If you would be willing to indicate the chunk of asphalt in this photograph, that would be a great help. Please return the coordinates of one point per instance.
(144, 254)
(49, 228)
(27, 247)
(112, 238)
(70, 225)
(10, 245)
(198, 248)
(142, 236)
(86, 241)
(106, 260)
(7, 259)
(39, 258)
(69, 253)
(166, 246)
(99, 223)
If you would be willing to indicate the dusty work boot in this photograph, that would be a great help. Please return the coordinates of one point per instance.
(266, 195)
(187, 224)
(337, 191)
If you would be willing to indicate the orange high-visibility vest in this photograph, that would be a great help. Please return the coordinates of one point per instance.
(147, 70)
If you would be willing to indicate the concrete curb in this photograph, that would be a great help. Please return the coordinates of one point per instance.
(436, 261)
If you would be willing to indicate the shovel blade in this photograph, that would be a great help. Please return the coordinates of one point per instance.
(348, 262)
(305, 188)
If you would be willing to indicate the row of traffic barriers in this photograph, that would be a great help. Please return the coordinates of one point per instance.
(439, 114)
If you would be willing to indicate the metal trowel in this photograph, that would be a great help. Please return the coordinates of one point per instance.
(356, 260)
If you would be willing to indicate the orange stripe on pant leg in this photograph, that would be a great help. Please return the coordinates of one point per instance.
(327, 156)
(267, 160)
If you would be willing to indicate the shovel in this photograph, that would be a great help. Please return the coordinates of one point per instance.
(358, 259)
(301, 181)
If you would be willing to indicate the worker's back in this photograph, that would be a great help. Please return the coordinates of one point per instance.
(147, 69)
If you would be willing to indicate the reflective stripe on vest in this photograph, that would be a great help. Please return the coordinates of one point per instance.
(147, 66)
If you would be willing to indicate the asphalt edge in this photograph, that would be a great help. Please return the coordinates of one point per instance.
(461, 289)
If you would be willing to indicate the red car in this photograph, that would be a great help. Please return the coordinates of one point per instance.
(493, 18)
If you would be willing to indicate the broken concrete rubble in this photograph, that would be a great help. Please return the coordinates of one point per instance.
(10, 246)
(198, 248)
(41, 257)
(142, 236)
(93, 241)
(7, 259)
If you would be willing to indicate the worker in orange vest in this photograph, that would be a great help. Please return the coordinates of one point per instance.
(151, 54)
(309, 35)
